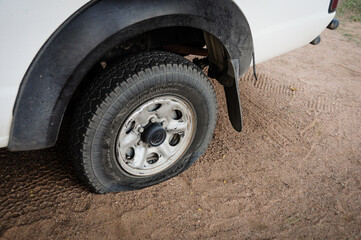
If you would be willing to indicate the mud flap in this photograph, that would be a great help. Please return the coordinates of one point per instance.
(232, 94)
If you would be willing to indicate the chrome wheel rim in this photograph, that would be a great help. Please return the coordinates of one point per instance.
(155, 135)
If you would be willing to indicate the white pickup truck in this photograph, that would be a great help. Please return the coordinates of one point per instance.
(113, 71)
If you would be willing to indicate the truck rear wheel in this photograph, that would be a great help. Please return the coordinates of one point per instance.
(142, 121)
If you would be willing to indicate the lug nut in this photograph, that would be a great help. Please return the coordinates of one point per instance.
(152, 120)
(141, 129)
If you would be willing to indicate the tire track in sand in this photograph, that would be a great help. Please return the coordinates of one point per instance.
(265, 83)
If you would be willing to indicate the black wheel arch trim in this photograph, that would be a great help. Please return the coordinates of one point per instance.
(96, 28)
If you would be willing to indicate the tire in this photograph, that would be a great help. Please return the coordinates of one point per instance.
(142, 121)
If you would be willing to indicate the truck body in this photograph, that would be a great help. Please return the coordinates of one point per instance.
(103, 58)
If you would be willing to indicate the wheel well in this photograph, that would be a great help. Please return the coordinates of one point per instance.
(181, 40)
(74, 51)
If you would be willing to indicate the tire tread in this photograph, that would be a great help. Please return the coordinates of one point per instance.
(100, 90)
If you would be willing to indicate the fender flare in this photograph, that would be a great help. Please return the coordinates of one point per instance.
(80, 41)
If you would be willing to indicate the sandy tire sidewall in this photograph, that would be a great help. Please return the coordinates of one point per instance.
(108, 170)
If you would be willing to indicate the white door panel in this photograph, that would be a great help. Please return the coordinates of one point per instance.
(6, 99)
(27, 24)
(279, 26)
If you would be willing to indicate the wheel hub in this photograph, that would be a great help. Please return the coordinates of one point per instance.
(154, 134)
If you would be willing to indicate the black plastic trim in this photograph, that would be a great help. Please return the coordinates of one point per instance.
(334, 24)
(316, 41)
(83, 39)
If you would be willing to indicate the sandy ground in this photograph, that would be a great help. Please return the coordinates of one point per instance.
(294, 171)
